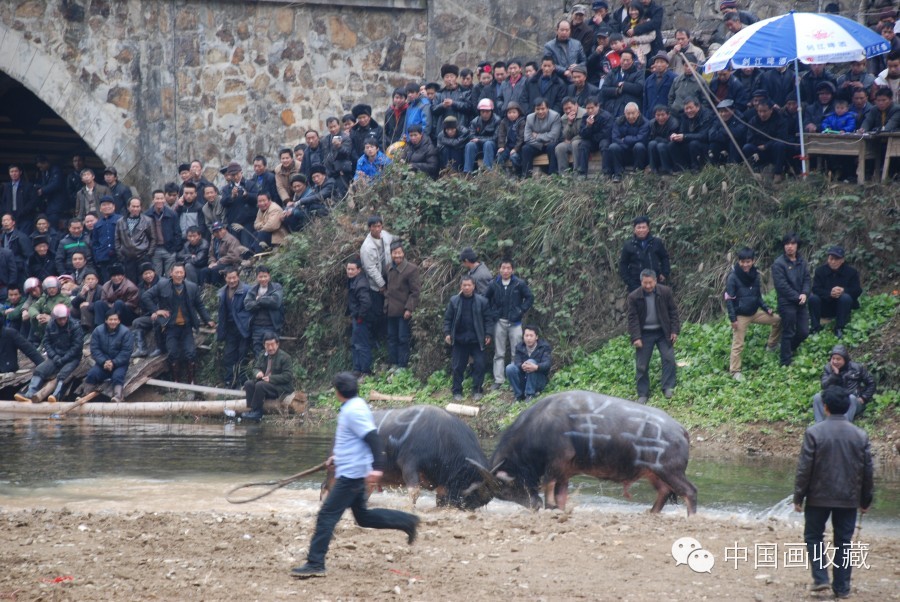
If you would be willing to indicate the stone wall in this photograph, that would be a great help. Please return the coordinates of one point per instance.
(151, 83)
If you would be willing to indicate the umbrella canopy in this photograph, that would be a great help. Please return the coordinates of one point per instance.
(810, 38)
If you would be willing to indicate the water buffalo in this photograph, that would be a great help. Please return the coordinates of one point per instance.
(579, 432)
(426, 446)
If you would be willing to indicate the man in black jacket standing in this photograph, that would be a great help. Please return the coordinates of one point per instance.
(653, 322)
(509, 298)
(643, 252)
(359, 303)
(791, 275)
(468, 324)
(834, 477)
(835, 292)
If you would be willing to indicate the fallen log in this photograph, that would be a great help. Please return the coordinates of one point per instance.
(462, 410)
(137, 409)
(376, 396)
(188, 387)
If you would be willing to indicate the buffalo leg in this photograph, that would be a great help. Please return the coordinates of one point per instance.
(561, 493)
(684, 488)
(550, 495)
(663, 491)
(442, 496)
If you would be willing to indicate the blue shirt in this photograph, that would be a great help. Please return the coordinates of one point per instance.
(352, 455)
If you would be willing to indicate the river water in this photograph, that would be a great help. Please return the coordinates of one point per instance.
(87, 463)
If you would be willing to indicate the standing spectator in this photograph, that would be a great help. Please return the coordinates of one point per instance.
(111, 345)
(563, 50)
(18, 198)
(365, 127)
(512, 89)
(375, 254)
(745, 305)
(358, 461)
(401, 300)
(41, 263)
(224, 252)
(791, 275)
(652, 20)
(835, 292)
(468, 324)
(135, 239)
(476, 269)
(546, 84)
(452, 100)
(852, 377)
(233, 328)
(580, 89)
(212, 209)
(658, 83)
(194, 254)
(64, 343)
(509, 299)
(338, 151)
(239, 202)
(394, 118)
(50, 189)
(683, 45)
(103, 239)
(117, 190)
(265, 303)
(315, 153)
(482, 137)
(582, 31)
(73, 179)
(118, 294)
(421, 155)
(177, 304)
(262, 178)
(834, 477)
(359, 303)
(166, 231)
(542, 131)
(89, 197)
(418, 111)
(653, 322)
(486, 88)
(623, 85)
(76, 241)
(530, 369)
(628, 144)
(142, 325)
(16, 241)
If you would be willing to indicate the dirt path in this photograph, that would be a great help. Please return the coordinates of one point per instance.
(504, 552)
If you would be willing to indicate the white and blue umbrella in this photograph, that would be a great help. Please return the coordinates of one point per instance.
(809, 38)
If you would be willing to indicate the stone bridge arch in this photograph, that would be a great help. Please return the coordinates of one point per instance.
(105, 128)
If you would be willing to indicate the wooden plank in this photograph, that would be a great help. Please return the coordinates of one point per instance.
(376, 396)
(187, 387)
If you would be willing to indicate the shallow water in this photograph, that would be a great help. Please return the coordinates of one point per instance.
(152, 465)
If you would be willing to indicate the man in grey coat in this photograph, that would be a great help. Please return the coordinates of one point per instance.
(375, 254)
(542, 131)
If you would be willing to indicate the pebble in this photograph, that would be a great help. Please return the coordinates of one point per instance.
(83, 528)
(247, 536)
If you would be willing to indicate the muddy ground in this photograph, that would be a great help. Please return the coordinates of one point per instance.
(223, 552)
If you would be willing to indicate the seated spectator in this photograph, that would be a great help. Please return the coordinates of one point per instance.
(287, 167)
(722, 148)
(860, 106)
(596, 131)
(815, 112)
(451, 144)
(321, 192)
(482, 137)
(889, 77)
(212, 209)
(120, 295)
(262, 178)
(41, 263)
(623, 85)
(546, 84)
(776, 84)
(265, 304)
(468, 324)
(421, 155)
(570, 141)
(764, 139)
(812, 80)
(726, 86)
(683, 45)
(64, 343)
(658, 83)
(542, 131)
(598, 63)
(371, 163)
(189, 208)
(40, 310)
(629, 143)
(885, 116)
(224, 252)
(42, 228)
(749, 78)
(111, 345)
(580, 89)
(853, 377)
(530, 369)
(76, 240)
(194, 254)
(745, 305)
(563, 51)
(269, 232)
(659, 145)
(274, 377)
(857, 78)
(691, 144)
(511, 137)
(835, 292)
(83, 301)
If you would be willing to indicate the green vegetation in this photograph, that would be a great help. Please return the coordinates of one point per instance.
(565, 238)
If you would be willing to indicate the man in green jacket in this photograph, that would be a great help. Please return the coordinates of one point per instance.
(274, 377)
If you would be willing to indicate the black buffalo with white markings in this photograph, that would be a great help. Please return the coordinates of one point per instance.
(579, 432)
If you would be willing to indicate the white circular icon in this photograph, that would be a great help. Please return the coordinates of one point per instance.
(701, 561)
(682, 548)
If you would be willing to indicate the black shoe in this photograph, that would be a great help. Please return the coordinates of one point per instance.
(308, 570)
(496, 386)
(255, 415)
(529, 398)
(839, 333)
(412, 532)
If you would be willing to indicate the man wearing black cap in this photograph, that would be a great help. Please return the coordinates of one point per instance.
(365, 127)
(600, 18)
(721, 147)
(582, 30)
(792, 283)
(321, 191)
(451, 100)
(103, 238)
(658, 83)
(835, 292)
(239, 201)
(580, 89)
(88, 197)
(40, 264)
(117, 190)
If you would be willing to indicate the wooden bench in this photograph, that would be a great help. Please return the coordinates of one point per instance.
(843, 145)
(595, 163)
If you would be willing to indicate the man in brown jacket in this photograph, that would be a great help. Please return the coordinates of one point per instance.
(653, 322)
(87, 198)
(286, 168)
(119, 294)
(224, 251)
(268, 222)
(401, 299)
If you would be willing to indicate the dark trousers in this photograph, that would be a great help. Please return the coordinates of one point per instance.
(452, 157)
(180, 343)
(351, 493)
(794, 329)
(724, 151)
(843, 520)
(257, 333)
(399, 336)
(583, 156)
(829, 307)
(212, 276)
(145, 324)
(690, 154)
(529, 152)
(619, 156)
(257, 392)
(361, 346)
(377, 320)
(125, 313)
(660, 156)
(649, 340)
(133, 267)
(97, 375)
(233, 354)
(47, 370)
(460, 359)
(774, 153)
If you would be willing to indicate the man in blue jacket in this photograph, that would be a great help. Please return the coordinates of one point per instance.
(233, 328)
(111, 345)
